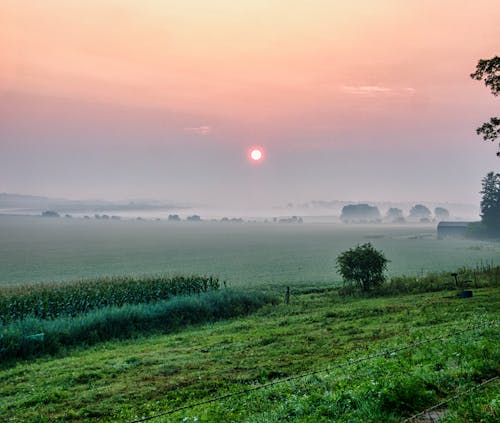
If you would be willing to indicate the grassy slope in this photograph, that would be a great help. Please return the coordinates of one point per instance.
(120, 380)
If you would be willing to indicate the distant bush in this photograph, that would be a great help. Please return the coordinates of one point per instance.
(419, 211)
(34, 337)
(360, 213)
(50, 301)
(50, 213)
(394, 215)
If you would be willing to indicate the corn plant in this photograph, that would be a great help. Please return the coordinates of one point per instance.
(53, 300)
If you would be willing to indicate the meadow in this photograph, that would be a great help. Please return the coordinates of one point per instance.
(420, 349)
(125, 330)
(34, 249)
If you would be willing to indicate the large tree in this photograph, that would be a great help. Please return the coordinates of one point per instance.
(488, 70)
(490, 203)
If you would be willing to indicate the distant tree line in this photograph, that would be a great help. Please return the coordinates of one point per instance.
(364, 213)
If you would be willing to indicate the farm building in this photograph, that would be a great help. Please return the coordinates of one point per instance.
(451, 229)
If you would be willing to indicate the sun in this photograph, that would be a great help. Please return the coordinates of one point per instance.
(256, 154)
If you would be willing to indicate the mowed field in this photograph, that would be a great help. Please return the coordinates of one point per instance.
(35, 249)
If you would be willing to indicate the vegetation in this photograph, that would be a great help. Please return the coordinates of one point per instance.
(359, 213)
(50, 213)
(246, 255)
(489, 71)
(467, 278)
(441, 213)
(395, 215)
(490, 203)
(122, 381)
(33, 337)
(380, 390)
(362, 266)
(419, 211)
(50, 301)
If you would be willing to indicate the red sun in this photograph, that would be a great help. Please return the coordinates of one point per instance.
(255, 154)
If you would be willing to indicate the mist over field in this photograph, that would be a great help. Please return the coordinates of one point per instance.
(36, 249)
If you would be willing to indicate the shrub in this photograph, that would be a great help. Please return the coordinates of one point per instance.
(362, 266)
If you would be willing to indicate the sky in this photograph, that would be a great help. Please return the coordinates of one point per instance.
(367, 100)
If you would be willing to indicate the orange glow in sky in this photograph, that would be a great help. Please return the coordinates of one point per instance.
(261, 62)
(317, 80)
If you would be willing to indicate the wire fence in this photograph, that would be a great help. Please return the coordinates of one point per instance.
(329, 369)
(443, 403)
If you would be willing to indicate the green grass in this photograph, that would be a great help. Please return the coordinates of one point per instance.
(36, 249)
(117, 381)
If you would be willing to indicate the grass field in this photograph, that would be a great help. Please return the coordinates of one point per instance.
(78, 364)
(37, 249)
(121, 381)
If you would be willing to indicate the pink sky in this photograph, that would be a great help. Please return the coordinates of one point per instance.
(368, 82)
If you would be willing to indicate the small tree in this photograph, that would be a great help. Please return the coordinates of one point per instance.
(362, 266)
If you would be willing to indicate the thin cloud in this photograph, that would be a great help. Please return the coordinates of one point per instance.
(373, 90)
(199, 130)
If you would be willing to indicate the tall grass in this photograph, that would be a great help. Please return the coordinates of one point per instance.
(467, 278)
(54, 300)
(33, 337)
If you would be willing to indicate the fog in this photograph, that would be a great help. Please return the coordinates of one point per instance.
(140, 160)
(166, 105)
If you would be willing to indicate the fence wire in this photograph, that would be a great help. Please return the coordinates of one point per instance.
(454, 397)
(351, 362)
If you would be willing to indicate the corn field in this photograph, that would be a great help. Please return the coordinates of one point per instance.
(54, 300)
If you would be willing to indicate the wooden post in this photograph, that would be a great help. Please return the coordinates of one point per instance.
(287, 295)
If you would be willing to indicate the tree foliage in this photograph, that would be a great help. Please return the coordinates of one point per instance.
(441, 213)
(394, 213)
(360, 213)
(488, 70)
(362, 266)
(419, 211)
(490, 203)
